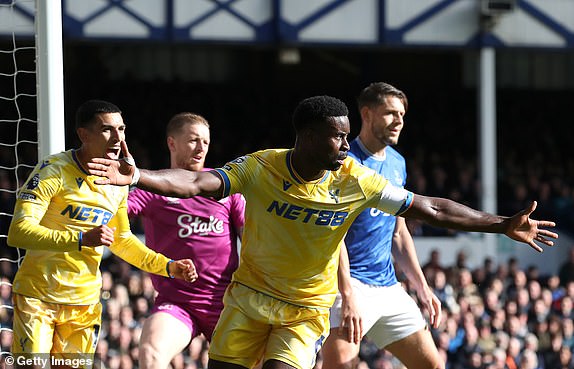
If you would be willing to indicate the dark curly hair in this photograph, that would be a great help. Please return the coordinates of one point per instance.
(317, 109)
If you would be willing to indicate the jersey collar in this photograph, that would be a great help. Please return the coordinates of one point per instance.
(75, 157)
(295, 176)
(368, 153)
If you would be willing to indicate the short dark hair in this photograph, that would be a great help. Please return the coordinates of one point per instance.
(179, 120)
(89, 109)
(317, 109)
(373, 95)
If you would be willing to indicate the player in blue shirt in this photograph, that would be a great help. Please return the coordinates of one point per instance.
(389, 316)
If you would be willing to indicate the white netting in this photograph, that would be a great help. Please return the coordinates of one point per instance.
(18, 135)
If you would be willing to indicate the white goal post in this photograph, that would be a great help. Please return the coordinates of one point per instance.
(50, 77)
(31, 112)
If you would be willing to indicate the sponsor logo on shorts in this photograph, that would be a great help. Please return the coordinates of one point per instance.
(27, 196)
(33, 182)
(165, 307)
(172, 200)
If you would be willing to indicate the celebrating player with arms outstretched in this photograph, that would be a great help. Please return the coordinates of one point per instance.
(300, 204)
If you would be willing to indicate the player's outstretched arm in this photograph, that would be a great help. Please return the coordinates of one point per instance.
(168, 182)
(446, 213)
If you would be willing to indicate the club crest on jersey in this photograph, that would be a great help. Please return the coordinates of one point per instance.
(33, 182)
(79, 181)
(286, 185)
(398, 178)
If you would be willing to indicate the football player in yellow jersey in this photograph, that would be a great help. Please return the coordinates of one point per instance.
(64, 220)
(300, 203)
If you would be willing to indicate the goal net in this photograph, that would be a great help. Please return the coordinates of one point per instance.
(20, 132)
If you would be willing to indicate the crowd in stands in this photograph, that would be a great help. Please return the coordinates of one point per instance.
(495, 316)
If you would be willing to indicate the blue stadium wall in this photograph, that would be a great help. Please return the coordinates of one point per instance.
(387, 23)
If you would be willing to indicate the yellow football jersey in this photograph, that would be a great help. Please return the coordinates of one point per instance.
(57, 203)
(293, 228)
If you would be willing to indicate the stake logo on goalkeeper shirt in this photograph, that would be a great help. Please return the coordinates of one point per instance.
(190, 225)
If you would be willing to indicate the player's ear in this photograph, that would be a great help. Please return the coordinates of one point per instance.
(308, 134)
(82, 133)
(170, 143)
(365, 114)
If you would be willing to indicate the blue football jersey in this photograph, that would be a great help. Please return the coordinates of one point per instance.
(369, 240)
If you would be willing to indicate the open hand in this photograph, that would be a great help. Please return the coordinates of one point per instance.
(117, 172)
(351, 321)
(524, 229)
(431, 304)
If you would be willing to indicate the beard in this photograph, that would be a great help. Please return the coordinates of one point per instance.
(334, 167)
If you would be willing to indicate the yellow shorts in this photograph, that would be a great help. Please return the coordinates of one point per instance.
(43, 327)
(254, 326)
